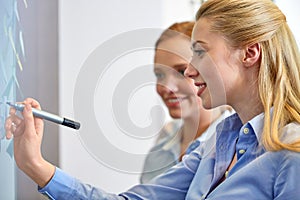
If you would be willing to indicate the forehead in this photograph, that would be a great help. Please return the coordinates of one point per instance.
(174, 47)
(201, 30)
(203, 35)
(165, 60)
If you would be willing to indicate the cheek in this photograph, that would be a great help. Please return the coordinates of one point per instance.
(192, 88)
(214, 78)
(206, 69)
(187, 86)
(213, 75)
(159, 89)
(209, 70)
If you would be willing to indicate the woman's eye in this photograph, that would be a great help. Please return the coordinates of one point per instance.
(181, 71)
(199, 52)
(159, 75)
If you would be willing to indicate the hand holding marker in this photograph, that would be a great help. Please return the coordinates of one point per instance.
(47, 116)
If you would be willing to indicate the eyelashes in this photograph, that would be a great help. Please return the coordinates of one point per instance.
(182, 71)
(178, 73)
(197, 49)
(198, 52)
(159, 75)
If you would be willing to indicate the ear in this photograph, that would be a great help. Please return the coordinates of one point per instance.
(251, 55)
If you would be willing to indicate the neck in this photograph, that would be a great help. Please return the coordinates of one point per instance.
(195, 126)
(247, 111)
(247, 102)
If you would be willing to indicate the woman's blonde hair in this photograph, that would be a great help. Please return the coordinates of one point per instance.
(246, 22)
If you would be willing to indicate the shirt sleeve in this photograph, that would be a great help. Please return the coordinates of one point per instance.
(173, 184)
(63, 186)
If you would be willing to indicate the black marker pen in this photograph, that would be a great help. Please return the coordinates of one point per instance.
(47, 116)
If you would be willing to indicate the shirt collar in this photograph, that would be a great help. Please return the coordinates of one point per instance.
(257, 123)
(212, 128)
(234, 123)
(231, 123)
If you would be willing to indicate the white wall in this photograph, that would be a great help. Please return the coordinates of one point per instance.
(88, 27)
(291, 10)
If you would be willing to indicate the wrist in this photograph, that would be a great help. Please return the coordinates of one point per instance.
(40, 172)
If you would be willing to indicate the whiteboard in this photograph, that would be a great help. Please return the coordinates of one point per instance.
(11, 53)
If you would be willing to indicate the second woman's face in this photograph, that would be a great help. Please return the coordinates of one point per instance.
(178, 92)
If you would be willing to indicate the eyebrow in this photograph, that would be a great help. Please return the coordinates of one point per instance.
(177, 66)
(198, 42)
(180, 65)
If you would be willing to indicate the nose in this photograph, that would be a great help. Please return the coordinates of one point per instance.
(191, 71)
(171, 84)
(168, 85)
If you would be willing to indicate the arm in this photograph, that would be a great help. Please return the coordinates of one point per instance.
(173, 184)
(28, 135)
(62, 186)
(58, 185)
(166, 186)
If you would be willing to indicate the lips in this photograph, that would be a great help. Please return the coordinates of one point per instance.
(173, 102)
(202, 87)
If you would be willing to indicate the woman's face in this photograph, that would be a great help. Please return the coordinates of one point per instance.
(177, 92)
(214, 67)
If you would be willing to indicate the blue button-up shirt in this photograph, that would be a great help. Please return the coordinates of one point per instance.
(257, 175)
(166, 152)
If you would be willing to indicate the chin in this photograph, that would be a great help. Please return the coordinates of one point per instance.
(206, 104)
(175, 115)
(209, 103)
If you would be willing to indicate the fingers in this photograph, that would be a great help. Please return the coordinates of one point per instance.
(8, 129)
(32, 125)
(27, 125)
(12, 111)
(12, 124)
(33, 103)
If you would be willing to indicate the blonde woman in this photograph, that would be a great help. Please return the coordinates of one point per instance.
(244, 55)
(179, 94)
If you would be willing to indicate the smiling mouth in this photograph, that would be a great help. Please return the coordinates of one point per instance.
(202, 87)
(173, 102)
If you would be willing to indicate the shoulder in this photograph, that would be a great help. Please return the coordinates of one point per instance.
(286, 169)
(168, 131)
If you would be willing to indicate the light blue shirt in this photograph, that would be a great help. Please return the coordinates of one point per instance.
(257, 175)
(167, 149)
